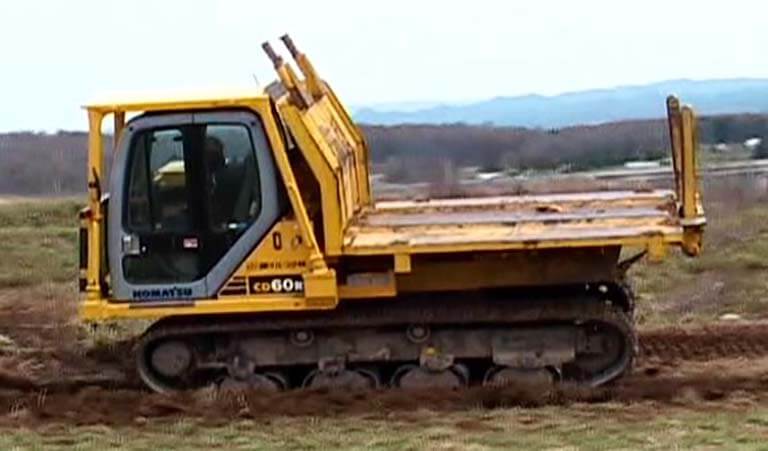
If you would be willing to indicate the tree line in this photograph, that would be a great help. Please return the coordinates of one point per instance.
(409, 151)
(55, 163)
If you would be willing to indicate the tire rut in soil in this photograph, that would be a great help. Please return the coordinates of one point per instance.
(94, 405)
(677, 366)
(705, 343)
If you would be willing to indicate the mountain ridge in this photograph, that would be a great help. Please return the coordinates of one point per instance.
(716, 96)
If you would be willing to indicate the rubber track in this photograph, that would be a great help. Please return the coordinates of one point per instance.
(459, 311)
(392, 313)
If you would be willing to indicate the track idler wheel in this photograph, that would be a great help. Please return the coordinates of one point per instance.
(171, 358)
(167, 365)
(608, 353)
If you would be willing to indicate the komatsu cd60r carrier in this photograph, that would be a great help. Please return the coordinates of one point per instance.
(244, 224)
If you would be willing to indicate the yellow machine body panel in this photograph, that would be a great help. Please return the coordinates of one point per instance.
(338, 158)
(275, 267)
(348, 247)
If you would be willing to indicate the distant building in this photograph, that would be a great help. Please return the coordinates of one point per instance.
(642, 164)
(753, 143)
(486, 176)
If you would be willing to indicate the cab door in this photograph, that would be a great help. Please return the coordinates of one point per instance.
(192, 195)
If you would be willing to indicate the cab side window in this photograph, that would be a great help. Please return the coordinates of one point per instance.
(234, 194)
(157, 187)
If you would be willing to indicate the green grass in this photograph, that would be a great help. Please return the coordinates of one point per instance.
(40, 213)
(38, 242)
(606, 426)
(35, 255)
(729, 276)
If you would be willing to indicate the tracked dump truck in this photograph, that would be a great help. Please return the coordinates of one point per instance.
(245, 226)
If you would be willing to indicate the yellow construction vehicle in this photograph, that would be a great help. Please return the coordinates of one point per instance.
(245, 225)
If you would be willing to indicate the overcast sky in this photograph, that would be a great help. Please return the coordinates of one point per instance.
(58, 55)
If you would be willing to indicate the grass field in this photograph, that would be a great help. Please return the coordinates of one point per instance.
(38, 243)
(729, 277)
(608, 426)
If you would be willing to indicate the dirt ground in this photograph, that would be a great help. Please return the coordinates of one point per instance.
(57, 375)
(54, 371)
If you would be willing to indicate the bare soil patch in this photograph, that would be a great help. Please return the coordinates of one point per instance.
(692, 367)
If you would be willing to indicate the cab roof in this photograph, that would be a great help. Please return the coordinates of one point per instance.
(181, 101)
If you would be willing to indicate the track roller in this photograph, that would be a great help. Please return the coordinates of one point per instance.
(350, 379)
(531, 377)
(270, 382)
(416, 377)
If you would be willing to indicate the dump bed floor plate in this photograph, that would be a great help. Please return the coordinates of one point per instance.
(531, 221)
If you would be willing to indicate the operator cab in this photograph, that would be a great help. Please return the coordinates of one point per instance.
(191, 195)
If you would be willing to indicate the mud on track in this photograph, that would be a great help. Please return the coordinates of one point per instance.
(678, 366)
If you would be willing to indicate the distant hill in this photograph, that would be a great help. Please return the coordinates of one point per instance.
(586, 107)
(52, 163)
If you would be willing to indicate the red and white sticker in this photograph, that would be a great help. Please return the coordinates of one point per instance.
(190, 243)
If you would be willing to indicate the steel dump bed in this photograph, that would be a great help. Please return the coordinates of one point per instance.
(353, 224)
(516, 222)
